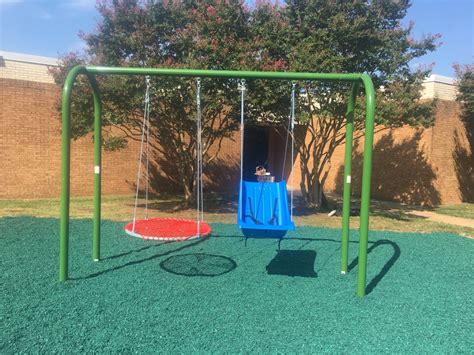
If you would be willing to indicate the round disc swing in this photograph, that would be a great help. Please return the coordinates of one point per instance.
(168, 229)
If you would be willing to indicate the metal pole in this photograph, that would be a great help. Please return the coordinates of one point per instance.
(366, 178)
(97, 168)
(346, 198)
(65, 171)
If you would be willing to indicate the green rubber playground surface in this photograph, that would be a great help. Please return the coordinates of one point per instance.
(218, 295)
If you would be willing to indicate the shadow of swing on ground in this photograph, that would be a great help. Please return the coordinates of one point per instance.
(139, 261)
(134, 251)
(286, 262)
(301, 262)
(198, 264)
(293, 263)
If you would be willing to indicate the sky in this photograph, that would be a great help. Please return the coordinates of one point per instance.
(50, 28)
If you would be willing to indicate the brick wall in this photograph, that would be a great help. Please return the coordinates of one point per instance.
(420, 166)
(30, 143)
(416, 166)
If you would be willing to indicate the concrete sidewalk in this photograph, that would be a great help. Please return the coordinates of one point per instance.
(442, 218)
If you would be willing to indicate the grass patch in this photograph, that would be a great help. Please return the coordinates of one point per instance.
(464, 210)
(222, 209)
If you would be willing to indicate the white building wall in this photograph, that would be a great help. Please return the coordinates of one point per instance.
(26, 67)
(439, 87)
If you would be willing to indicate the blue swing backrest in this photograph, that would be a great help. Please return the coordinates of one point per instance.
(263, 209)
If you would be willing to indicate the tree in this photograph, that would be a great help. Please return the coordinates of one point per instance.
(465, 83)
(207, 35)
(303, 35)
(344, 37)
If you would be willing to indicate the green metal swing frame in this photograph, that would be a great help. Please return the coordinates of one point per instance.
(92, 71)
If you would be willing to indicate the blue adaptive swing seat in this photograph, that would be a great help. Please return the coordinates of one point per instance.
(263, 209)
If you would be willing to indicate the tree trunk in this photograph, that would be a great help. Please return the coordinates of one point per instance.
(188, 195)
(312, 190)
(188, 185)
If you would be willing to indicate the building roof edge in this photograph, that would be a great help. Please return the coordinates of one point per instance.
(436, 78)
(28, 58)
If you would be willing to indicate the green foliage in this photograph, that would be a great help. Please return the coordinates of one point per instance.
(344, 37)
(465, 76)
(164, 34)
(303, 35)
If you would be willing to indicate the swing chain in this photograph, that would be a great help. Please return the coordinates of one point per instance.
(242, 88)
(199, 185)
(198, 95)
(147, 91)
(242, 85)
(293, 104)
(145, 140)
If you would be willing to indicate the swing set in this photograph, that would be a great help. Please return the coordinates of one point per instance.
(263, 209)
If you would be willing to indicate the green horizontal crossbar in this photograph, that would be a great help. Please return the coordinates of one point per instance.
(224, 74)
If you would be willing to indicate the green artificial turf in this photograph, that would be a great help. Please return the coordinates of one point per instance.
(218, 295)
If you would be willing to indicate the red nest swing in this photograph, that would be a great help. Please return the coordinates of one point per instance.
(172, 229)
(168, 229)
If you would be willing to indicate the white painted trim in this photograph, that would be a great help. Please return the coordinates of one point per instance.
(28, 58)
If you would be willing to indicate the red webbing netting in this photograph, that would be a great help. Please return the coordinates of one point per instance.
(167, 229)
